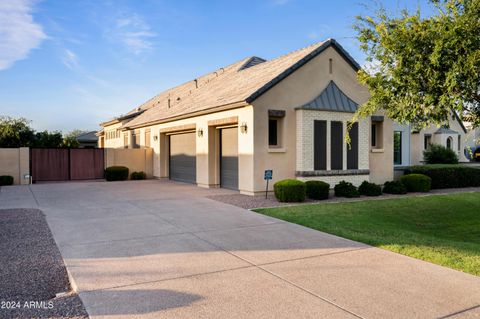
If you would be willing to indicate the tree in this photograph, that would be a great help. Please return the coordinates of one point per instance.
(48, 139)
(423, 68)
(18, 133)
(70, 139)
(15, 132)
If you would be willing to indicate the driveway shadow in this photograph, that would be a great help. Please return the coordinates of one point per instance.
(126, 302)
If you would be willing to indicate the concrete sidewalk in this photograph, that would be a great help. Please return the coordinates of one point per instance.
(158, 249)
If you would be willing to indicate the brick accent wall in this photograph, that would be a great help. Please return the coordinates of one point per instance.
(304, 152)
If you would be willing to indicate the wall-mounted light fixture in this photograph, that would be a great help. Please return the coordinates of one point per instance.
(200, 132)
(155, 137)
(243, 128)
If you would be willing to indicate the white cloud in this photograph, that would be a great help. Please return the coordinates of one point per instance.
(19, 34)
(134, 33)
(70, 59)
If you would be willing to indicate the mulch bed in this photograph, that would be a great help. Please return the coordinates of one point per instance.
(32, 271)
(252, 202)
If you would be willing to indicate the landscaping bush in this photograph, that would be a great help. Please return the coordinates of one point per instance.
(116, 173)
(439, 154)
(346, 189)
(394, 187)
(317, 189)
(417, 183)
(370, 189)
(448, 176)
(290, 190)
(6, 180)
(138, 175)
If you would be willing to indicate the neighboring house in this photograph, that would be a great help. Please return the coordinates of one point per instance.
(472, 141)
(87, 139)
(410, 143)
(289, 114)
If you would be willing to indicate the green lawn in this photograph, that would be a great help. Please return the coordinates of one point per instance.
(443, 229)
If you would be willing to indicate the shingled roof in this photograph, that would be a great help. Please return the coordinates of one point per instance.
(240, 82)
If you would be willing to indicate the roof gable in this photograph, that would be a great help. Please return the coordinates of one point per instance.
(239, 83)
(331, 99)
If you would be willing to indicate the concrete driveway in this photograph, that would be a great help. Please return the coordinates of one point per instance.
(158, 249)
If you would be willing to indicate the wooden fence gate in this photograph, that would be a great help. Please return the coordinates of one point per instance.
(64, 164)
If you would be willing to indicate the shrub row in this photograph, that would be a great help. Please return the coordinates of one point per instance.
(292, 190)
(120, 173)
(116, 173)
(394, 187)
(317, 189)
(346, 189)
(417, 183)
(439, 154)
(448, 176)
(369, 189)
(138, 175)
(6, 180)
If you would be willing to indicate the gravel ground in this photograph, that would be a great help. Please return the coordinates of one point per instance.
(32, 270)
(251, 202)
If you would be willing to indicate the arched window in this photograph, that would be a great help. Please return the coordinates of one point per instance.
(449, 142)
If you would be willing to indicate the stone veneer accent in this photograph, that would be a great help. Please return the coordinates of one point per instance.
(304, 151)
(333, 172)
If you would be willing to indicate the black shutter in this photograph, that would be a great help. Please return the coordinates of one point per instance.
(336, 145)
(320, 145)
(352, 150)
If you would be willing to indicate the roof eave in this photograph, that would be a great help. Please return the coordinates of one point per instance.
(303, 61)
(223, 107)
(461, 122)
(111, 122)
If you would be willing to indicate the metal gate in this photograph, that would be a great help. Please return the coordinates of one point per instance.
(63, 164)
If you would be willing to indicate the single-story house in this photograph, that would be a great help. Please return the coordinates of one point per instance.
(288, 114)
(87, 139)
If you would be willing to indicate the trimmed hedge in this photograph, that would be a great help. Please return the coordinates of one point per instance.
(116, 173)
(317, 189)
(6, 180)
(417, 183)
(370, 189)
(439, 154)
(290, 190)
(138, 175)
(394, 187)
(448, 176)
(346, 189)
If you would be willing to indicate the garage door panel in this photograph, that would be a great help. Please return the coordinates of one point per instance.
(229, 158)
(183, 159)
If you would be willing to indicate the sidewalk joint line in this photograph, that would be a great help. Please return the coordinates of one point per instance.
(169, 279)
(460, 312)
(283, 279)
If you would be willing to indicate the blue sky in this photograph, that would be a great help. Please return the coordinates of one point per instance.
(72, 64)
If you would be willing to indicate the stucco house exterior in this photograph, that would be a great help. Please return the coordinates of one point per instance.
(288, 114)
(409, 142)
(87, 139)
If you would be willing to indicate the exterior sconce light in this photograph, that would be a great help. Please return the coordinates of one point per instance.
(155, 137)
(243, 128)
(200, 132)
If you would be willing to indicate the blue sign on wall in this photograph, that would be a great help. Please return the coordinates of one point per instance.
(268, 174)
